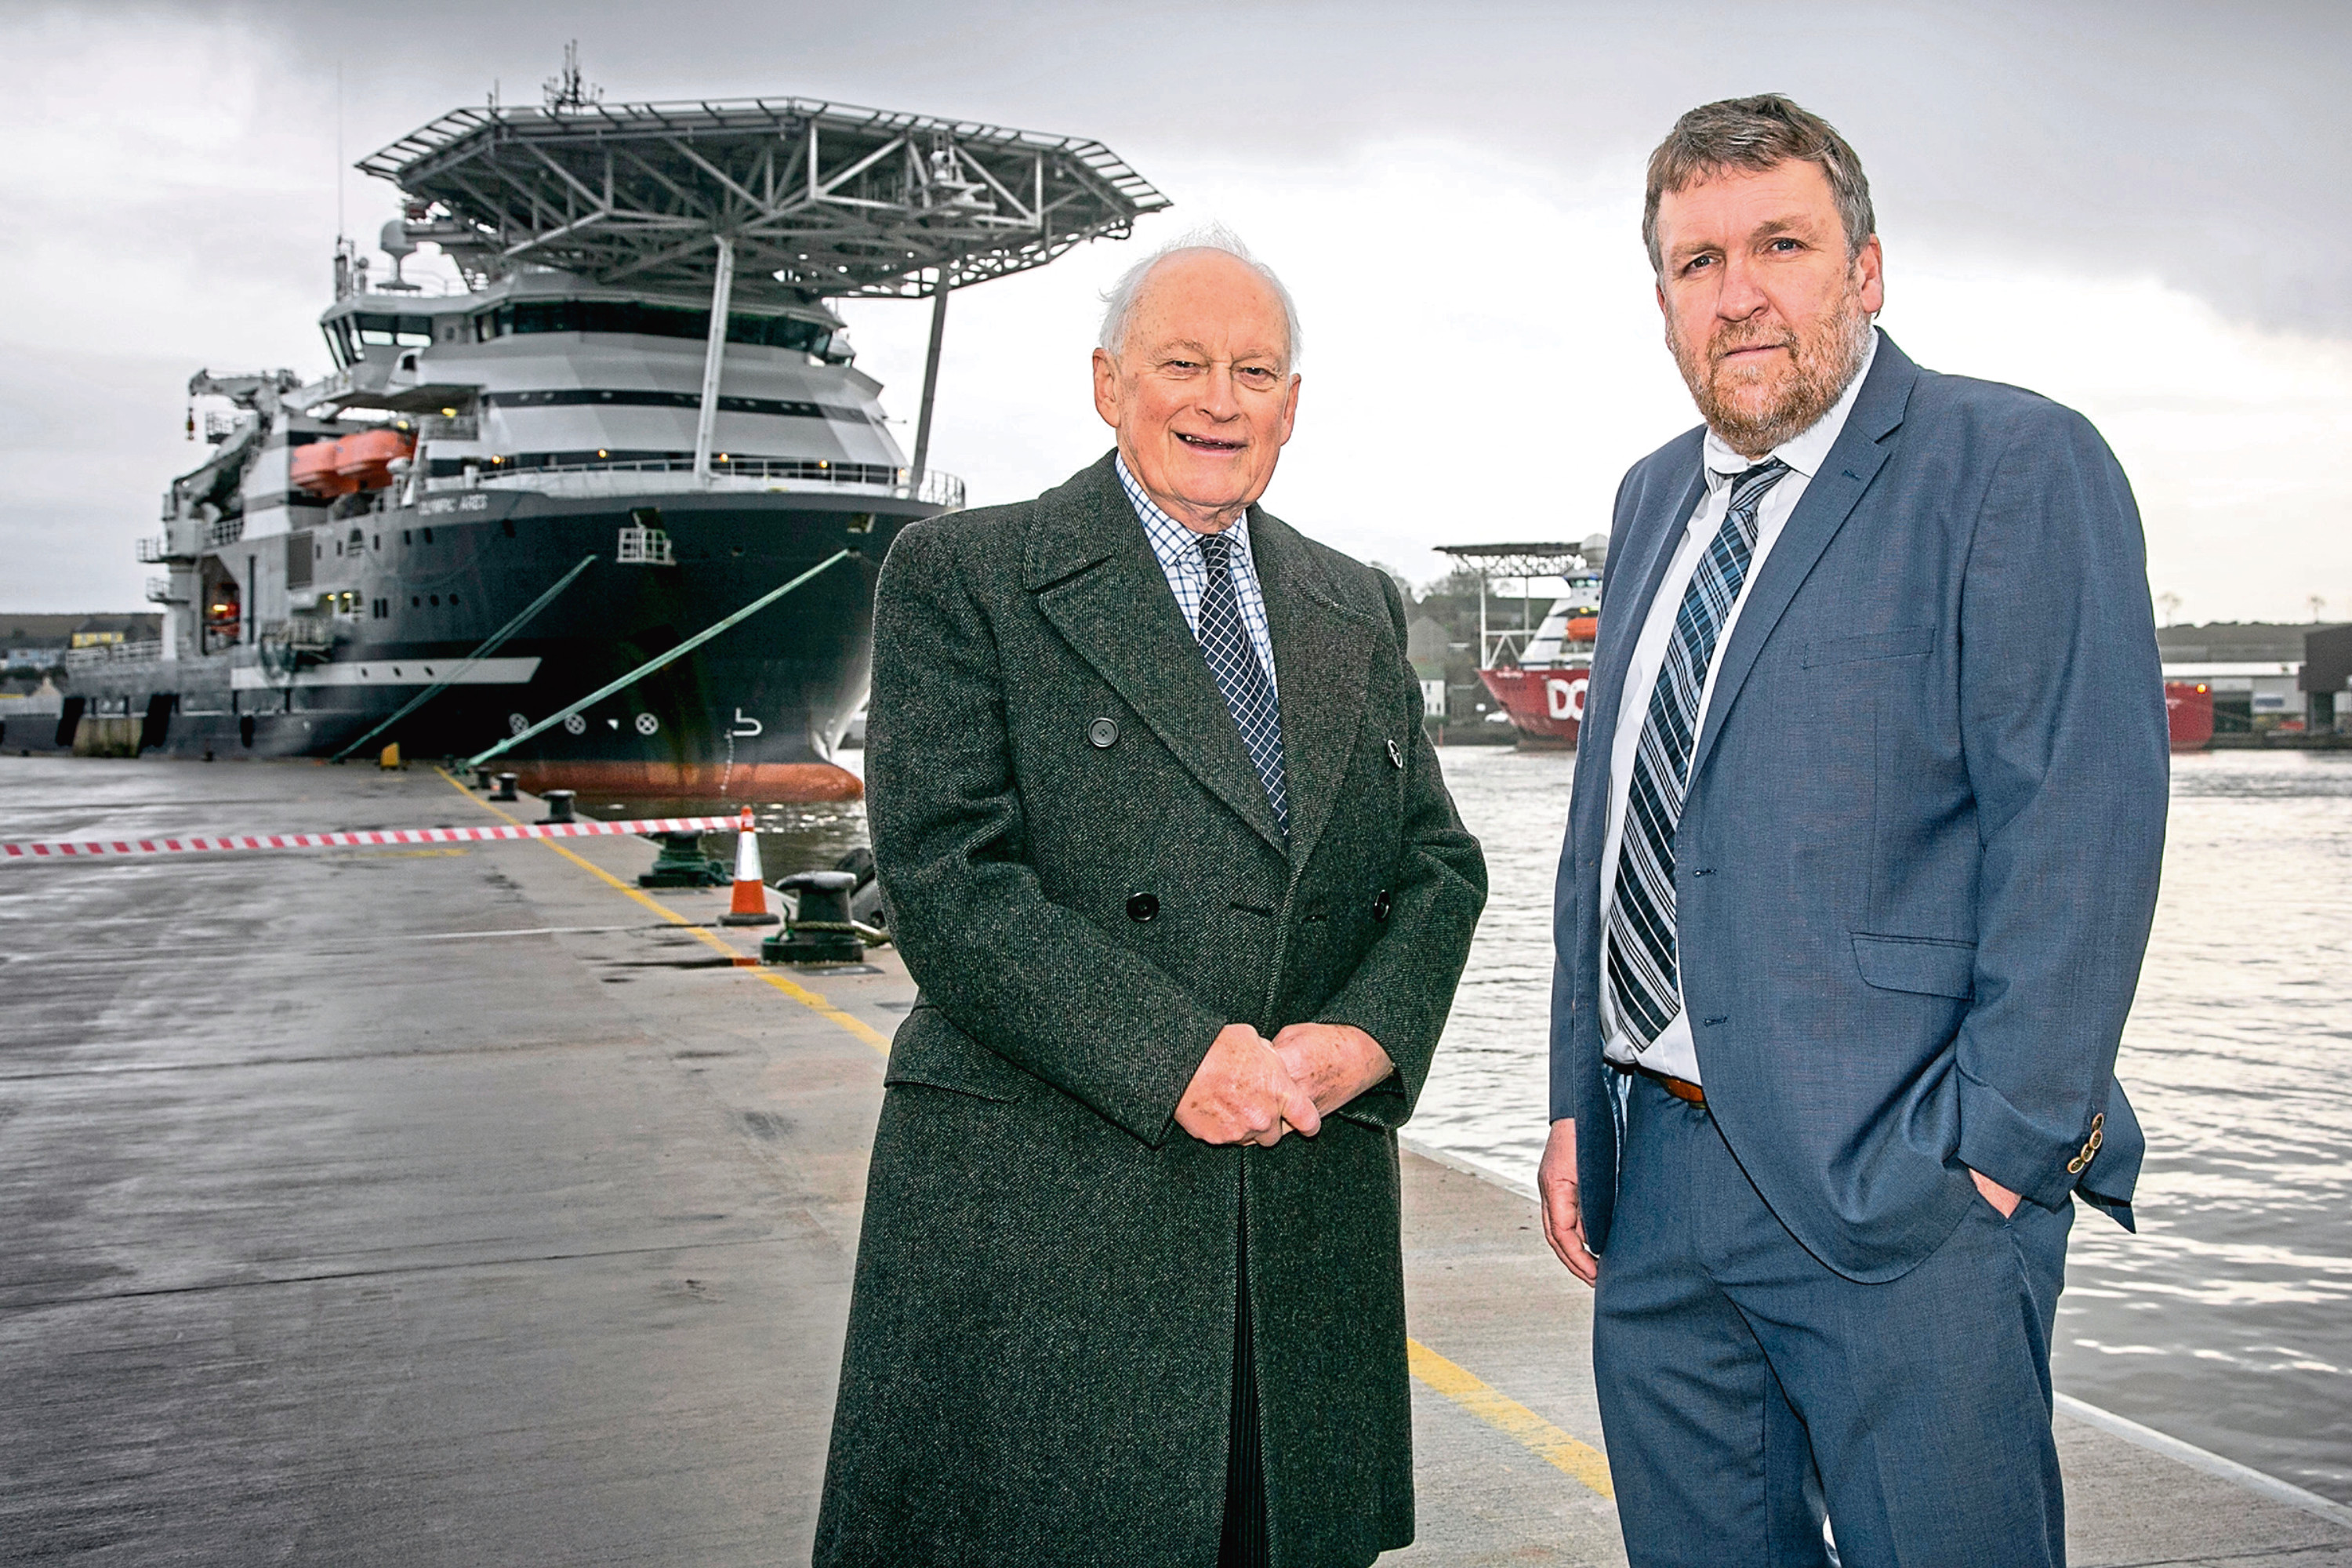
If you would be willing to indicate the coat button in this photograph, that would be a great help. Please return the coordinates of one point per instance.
(1396, 757)
(1380, 906)
(1103, 734)
(1142, 907)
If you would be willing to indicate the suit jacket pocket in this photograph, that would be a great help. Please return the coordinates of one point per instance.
(930, 1050)
(1927, 965)
(1903, 643)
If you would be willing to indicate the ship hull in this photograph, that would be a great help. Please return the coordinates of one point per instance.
(1546, 706)
(752, 714)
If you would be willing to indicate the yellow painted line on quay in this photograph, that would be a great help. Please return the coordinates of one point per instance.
(1577, 1460)
(812, 1000)
(1546, 1442)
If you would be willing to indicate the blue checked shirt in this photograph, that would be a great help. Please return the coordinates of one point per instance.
(1188, 573)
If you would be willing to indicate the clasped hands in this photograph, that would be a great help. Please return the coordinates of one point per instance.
(1251, 1090)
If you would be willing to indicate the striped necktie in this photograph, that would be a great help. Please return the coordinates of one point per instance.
(1642, 961)
(1249, 696)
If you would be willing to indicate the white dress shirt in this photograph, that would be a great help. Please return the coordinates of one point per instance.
(1177, 550)
(1672, 1052)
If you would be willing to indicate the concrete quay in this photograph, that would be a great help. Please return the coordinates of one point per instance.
(463, 1205)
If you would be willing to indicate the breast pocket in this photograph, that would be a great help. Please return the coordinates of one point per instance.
(1906, 642)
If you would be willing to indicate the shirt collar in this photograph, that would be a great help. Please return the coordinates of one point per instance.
(1177, 546)
(1804, 453)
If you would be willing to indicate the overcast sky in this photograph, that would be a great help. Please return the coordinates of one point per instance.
(2138, 209)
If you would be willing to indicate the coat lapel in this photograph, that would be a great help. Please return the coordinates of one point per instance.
(1096, 579)
(1829, 499)
(1322, 660)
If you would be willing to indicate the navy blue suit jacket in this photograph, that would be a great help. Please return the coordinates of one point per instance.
(1918, 857)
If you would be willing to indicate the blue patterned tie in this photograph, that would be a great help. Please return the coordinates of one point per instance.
(1642, 961)
(1249, 695)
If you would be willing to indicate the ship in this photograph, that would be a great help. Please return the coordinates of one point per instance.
(619, 412)
(1538, 670)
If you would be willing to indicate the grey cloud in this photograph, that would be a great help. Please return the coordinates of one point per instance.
(2198, 144)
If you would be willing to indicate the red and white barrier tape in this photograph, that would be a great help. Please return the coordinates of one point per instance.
(82, 850)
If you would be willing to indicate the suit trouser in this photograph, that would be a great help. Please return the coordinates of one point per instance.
(1742, 1382)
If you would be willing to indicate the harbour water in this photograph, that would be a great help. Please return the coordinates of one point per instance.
(2227, 1321)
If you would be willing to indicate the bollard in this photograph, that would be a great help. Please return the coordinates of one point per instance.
(682, 864)
(389, 759)
(819, 930)
(506, 790)
(482, 777)
(559, 806)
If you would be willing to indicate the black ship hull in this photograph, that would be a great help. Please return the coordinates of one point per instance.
(750, 715)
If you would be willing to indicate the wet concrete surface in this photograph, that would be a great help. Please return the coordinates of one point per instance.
(454, 1206)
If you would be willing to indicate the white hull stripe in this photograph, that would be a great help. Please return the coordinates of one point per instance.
(387, 672)
(84, 849)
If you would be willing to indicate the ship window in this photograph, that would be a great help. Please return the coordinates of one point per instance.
(405, 539)
(428, 536)
(394, 332)
(414, 603)
(529, 316)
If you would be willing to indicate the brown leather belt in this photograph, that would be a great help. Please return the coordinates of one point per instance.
(1682, 1089)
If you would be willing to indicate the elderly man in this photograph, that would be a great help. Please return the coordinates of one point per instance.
(1859, 870)
(1164, 844)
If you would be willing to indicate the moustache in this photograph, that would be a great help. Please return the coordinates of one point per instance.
(1736, 340)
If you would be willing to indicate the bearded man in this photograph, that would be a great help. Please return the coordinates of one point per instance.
(1859, 870)
(1165, 846)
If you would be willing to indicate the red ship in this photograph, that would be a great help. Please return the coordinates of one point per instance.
(1538, 671)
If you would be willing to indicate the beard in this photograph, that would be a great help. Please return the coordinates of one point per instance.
(1753, 416)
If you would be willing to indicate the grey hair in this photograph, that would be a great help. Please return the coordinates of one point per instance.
(1754, 134)
(1118, 304)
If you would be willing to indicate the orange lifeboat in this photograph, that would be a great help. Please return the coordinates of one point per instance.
(1583, 629)
(364, 461)
(315, 469)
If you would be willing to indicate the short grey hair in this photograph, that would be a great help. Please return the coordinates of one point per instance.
(1753, 135)
(1118, 304)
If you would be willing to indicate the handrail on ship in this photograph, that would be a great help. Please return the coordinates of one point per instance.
(781, 474)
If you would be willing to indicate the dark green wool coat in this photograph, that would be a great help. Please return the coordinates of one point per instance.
(1040, 1336)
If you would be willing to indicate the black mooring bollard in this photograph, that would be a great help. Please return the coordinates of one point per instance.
(819, 930)
(506, 790)
(682, 864)
(559, 806)
(482, 777)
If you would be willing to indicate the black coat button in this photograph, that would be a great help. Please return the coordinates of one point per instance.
(1380, 906)
(1142, 907)
(1103, 733)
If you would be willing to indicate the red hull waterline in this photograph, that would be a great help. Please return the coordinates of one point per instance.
(767, 784)
(1546, 706)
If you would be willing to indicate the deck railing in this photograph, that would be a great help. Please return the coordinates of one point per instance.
(738, 476)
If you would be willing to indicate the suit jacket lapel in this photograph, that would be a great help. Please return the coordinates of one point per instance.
(1096, 579)
(1829, 499)
(1605, 696)
(1322, 660)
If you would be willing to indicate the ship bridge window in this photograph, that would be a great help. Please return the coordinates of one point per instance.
(792, 332)
(349, 337)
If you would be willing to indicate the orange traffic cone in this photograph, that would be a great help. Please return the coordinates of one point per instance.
(751, 905)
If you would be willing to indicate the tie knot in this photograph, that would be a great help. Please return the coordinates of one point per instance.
(1750, 483)
(1217, 550)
